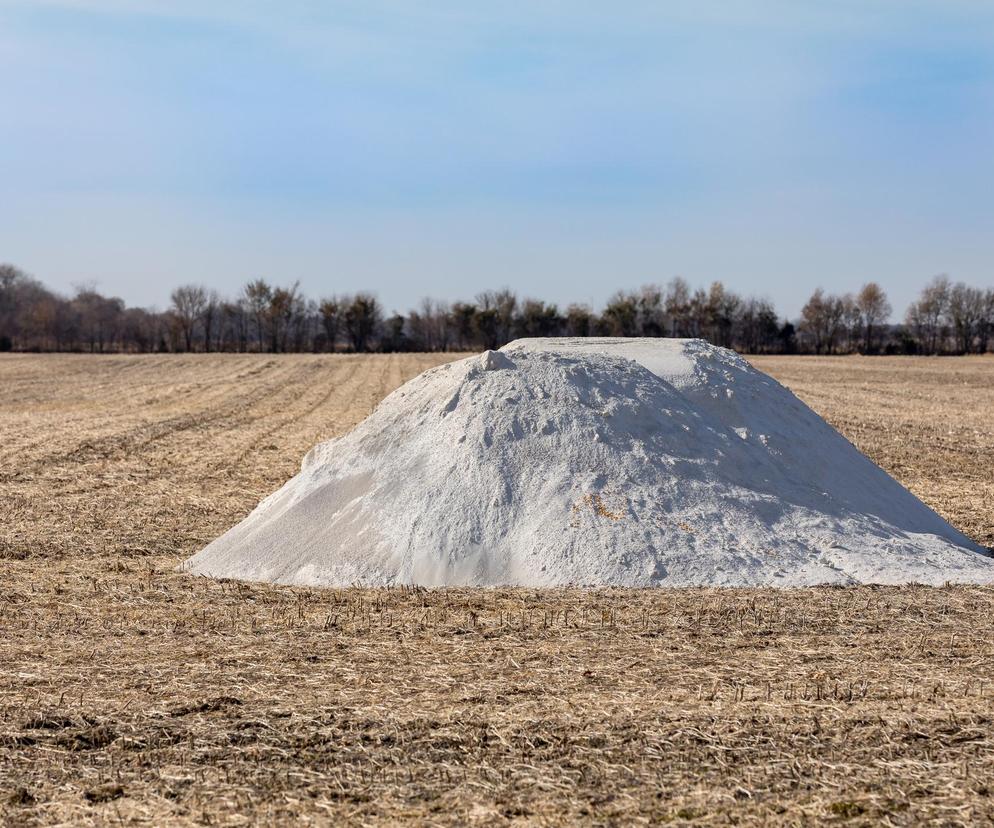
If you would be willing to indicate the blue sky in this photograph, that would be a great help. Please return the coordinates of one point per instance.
(439, 148)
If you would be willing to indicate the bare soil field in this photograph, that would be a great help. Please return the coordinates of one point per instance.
(130, 693)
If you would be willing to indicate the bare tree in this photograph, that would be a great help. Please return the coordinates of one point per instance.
(698, 314)
(362, 317)
(304, 326)
(723, 308)
(925, 316)
(31, 316)
(486, 327)
(209, 319)
(284, 306)
(439, 324)
(677, 306)
(814, 319)
(758, 325)
(99, 318)
(965, 311)
(834, 315)
(464, 327)
(234, 325)
(188, 303)
(621, 314)
(497, 307)
(394, 337)
(12, 280)
(257, 296)
(140, 330)
(538, 319)
(986, 321)
(852, 322)
(822, 320)
(429, 327)
(651, 312)
(579, 320)
(331, 320)
(875, 309)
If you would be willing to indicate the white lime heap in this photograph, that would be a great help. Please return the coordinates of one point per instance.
(627, 462)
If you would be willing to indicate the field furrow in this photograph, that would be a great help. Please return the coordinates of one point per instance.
(130, 693)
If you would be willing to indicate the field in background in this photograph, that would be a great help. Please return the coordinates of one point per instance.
(131, 693)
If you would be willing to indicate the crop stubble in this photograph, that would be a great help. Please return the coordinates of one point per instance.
(132, 693)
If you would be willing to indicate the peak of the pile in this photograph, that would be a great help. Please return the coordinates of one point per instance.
(602, 461)
(665, 357)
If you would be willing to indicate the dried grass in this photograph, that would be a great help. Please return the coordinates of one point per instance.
(130, 693)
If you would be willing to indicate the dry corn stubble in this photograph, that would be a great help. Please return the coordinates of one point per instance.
(132, 693)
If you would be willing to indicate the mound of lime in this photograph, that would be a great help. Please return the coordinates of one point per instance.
(623, 462)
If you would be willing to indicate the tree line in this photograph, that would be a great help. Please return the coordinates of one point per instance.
(947, 317)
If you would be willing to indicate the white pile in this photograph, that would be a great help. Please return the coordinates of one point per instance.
(593, 461)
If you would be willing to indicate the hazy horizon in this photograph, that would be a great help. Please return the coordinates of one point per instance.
(563, 150)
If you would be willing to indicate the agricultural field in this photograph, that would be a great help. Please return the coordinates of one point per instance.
(131, 693)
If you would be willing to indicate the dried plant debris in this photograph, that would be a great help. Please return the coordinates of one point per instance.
(864, 705)
(104, 793)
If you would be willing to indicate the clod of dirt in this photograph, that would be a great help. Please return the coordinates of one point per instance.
(104, 793)
(87, 739)
(209, 706)
(639, 462)
(21, 797)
